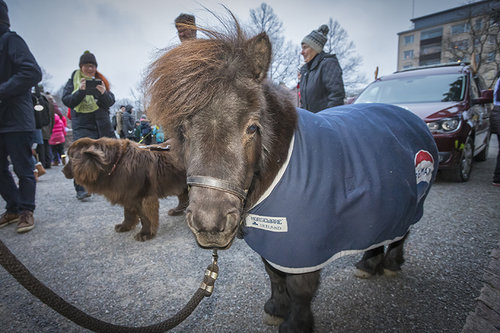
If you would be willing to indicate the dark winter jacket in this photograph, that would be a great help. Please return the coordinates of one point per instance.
(128, 123)
(321, 84)
(19, 72)
(495, 114)
(95, 124)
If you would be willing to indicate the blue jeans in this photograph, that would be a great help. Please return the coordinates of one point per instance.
(17, 146)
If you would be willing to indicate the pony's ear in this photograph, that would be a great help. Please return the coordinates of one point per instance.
(259, 51)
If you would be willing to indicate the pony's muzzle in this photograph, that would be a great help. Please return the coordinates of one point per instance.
(215, 219)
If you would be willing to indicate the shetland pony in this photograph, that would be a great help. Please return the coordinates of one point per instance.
(241, 138)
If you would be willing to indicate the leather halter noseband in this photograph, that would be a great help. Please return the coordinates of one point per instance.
(217, 184)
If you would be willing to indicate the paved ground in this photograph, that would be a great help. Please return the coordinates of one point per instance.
(75, 251)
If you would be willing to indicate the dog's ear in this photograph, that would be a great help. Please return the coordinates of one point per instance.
(95, 154)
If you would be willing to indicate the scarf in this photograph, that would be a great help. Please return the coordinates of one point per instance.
(88, 104)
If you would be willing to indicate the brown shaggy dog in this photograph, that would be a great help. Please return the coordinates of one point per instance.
(130, 176)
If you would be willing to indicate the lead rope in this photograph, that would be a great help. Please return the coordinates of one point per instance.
(47, 296)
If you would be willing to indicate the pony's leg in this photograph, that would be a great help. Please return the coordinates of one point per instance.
(130, 219)
(371, 264)
(301, 290)
(149, 218)
(394, 257)
(183, 203)
(277, 307)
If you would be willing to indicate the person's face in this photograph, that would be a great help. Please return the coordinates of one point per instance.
(89, 70)
(186, 33)
(308, 53)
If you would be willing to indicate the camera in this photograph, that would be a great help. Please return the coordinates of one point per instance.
(91, 86)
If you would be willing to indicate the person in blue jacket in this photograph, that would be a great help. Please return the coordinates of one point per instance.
(89, 108)
(321, 83)
(19, 72)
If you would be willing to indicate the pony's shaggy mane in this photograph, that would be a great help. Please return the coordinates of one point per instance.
(187, 77)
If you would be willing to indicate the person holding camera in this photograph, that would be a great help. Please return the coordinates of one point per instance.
(87, 94)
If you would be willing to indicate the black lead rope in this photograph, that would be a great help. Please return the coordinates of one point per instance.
(47, 296)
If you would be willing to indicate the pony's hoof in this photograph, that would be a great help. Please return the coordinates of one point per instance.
(272, 320)
(363, 274)
(390, 273)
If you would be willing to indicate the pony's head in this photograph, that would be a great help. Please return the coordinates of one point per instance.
(211, 93)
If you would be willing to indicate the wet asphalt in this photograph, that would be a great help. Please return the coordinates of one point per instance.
(75, 251)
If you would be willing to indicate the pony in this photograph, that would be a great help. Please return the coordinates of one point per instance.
(239, 135)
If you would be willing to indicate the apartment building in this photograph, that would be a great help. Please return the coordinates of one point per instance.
(469, 33)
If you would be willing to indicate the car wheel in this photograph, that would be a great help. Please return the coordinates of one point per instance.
(462, 172)
(483, 155)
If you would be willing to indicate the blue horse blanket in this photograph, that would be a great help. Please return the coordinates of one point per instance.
(356, 177)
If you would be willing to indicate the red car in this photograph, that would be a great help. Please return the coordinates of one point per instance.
(452, 100)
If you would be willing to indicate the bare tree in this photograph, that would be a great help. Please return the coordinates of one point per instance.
(475, 40)
(285, 60)
(338, 43)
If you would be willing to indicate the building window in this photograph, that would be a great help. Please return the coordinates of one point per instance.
(460, 44)
(408, 54)
(428, 34)
(430, 49)
(427, 62)
(460, 28)
(478, 24)
(492, 39)
(409, 39)
(491, 56)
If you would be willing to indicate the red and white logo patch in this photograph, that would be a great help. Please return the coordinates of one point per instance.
(424, 166)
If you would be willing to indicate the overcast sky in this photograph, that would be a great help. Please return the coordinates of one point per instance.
(126, 35)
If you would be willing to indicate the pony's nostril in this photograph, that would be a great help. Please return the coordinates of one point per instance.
(231, 220)
(189, 220)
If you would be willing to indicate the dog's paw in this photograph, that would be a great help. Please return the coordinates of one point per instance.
(176, 211)
(122, 228)
(143, 237)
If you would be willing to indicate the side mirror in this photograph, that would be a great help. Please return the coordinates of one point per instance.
(486, 97)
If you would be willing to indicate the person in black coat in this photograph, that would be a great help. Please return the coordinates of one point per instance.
(89, 107)
(495, 127)
(19, 72)
(321, 83)
(128, 123)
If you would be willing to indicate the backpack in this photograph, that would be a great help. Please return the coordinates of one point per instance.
(145, 129)
(41, 108)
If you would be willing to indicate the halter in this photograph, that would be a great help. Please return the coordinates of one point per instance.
(217, 184)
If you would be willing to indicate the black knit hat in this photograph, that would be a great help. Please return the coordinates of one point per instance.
(186, 19)
(4, 14)
(87, 58)
(317, 38)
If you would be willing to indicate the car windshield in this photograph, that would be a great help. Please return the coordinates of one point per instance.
(416, 89)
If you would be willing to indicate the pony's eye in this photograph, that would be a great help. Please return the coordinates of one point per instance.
(252, 129)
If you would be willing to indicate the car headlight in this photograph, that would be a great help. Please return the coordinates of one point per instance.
(444, 125)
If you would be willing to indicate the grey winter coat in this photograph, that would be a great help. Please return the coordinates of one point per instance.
(321, 84)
